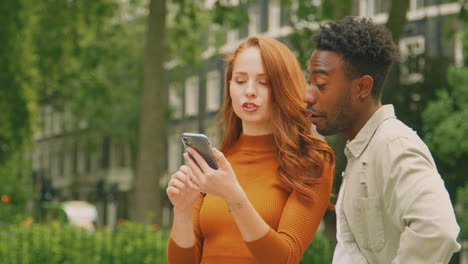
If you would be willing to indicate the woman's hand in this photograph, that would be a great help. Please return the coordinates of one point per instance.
(180, 191)
(221, 182)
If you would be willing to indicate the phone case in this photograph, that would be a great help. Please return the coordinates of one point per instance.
(200, 143)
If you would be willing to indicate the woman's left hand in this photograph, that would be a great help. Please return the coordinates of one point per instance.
(221, 182)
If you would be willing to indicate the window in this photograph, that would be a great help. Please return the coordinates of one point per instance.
(244, 30)
(275, 15)
(381, 6)
(56, 122)
(416, 4)
(213, 90)
(285, 13)
(371, 8)
(118, 155)
(175, 153)
(264, 15)
(68, 162)
(232, 36)
(175, 101)
(214, 134)
(412, 54)
(254, 26)
(53, 162)
(47, 121)
(191, 96)
(105, 153)
(80, 159)
(61, 163)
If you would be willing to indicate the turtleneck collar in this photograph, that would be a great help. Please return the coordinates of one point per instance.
(255, 143)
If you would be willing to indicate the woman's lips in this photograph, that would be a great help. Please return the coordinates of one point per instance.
(250, 107)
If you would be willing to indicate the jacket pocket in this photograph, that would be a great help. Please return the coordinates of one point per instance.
(372, 232)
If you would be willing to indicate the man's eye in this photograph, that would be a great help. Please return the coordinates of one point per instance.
(320, 85)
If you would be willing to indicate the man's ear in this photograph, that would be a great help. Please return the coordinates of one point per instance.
(364, 87)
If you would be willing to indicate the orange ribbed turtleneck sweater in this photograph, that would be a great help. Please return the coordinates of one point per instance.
(292, 222)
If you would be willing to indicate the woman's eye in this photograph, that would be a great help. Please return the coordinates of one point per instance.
(320, 85)
(240, 81)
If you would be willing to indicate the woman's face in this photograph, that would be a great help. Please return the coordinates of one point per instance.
(250, 93)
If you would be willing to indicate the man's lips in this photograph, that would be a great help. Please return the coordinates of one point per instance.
(314, 117)
(250, 107)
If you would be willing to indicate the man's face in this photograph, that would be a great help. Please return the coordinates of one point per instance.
(328, 93)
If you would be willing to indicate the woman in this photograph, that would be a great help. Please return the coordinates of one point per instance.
(266, 200)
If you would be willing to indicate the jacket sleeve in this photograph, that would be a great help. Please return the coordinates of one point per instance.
(417, 201)
(298, 224)
(180, 255)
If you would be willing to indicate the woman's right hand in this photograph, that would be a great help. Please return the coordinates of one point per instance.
(179, 190)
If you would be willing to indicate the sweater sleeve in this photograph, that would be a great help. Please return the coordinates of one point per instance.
(180, 255)
(298, 224)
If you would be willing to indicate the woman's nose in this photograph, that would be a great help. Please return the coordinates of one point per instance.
(250, 90)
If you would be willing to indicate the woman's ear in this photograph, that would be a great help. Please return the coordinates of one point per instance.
(365, 85)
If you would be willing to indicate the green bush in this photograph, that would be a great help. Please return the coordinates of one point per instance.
(128, 243)
(320, 251)
(65, 244)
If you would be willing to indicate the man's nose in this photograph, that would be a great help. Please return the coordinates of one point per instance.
(309, 97)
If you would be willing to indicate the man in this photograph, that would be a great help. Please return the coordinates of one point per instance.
(392, 206)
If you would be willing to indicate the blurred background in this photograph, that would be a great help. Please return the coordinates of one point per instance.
(95, 94)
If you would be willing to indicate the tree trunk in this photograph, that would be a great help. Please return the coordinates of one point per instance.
(341, 8)
(152, 130)
(396, 24)
(397, 18)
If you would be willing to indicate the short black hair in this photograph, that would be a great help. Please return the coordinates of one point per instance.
(366, 47)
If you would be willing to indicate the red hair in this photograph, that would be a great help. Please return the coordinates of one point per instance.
(301, 155)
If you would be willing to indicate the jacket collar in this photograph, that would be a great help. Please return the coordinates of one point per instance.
(356, 146)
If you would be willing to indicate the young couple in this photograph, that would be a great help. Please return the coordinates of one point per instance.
(266, 200)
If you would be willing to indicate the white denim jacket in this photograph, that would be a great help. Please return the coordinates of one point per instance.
(395, 206)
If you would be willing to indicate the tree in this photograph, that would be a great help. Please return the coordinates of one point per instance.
(18, 77)
(446, 128)
(397, 18)
(152, 132)
(17, 105)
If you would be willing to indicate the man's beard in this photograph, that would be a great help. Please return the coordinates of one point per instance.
(343, 117)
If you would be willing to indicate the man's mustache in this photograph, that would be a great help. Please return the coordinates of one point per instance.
(314, 111)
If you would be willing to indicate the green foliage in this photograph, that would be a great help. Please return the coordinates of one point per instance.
(188, 24)
(302, 47)
(56, 243)
(305, 13)
(445, 119)
(320, 251)
(233, 16)
(90, 63)
(17, 76)
(446, 129)
(462, 211)
(62, 36)
(15, 186)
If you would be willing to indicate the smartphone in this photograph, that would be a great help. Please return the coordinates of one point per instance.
(202, 145)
